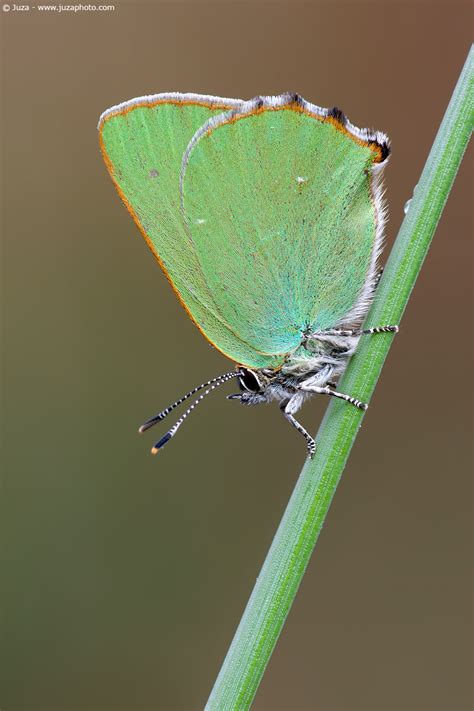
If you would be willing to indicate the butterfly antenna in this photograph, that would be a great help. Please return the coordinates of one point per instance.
(161, 415)
(171, 432)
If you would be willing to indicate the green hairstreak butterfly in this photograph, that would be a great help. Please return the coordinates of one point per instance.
(267, 218)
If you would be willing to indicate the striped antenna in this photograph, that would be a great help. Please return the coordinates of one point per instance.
(171, 432)
(161, 415)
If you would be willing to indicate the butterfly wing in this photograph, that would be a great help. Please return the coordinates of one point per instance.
(143, 142)
(284, 211)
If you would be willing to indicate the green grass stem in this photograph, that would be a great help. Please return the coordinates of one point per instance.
(286, 561)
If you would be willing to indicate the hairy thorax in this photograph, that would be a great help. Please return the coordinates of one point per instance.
(320, 359)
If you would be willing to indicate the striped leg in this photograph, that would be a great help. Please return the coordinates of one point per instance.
(287, 408)
(379, 329)
(378, 277)
(333, 393)
(355, 332)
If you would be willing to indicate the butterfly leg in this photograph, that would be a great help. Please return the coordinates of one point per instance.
(288, 407)
(355, 332)
(308, 387)
(379, 329)
(378, 277)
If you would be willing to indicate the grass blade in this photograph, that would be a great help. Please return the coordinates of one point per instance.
(297, 534)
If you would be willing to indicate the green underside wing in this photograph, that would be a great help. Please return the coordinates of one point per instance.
(262, 214)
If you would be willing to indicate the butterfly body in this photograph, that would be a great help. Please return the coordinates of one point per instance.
(267, 218)
(301, 377)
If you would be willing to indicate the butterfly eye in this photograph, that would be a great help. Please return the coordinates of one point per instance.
(249, 381)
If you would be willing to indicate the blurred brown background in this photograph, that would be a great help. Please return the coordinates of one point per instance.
(124, 575)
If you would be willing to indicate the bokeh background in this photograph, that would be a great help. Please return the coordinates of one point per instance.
(124, 575)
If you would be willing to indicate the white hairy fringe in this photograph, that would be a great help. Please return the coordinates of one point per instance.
(359, 311)
(172, 97)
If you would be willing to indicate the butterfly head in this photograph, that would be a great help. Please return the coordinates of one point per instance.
(250, 381)
(253, 385)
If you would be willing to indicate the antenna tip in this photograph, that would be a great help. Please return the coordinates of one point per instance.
(162, 442)
(141, 430)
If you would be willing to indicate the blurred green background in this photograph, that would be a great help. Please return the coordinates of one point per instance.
(124, 575)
